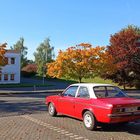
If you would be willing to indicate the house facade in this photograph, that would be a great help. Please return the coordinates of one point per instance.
(10, 73)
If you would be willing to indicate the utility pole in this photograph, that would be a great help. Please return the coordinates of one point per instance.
(43, 78)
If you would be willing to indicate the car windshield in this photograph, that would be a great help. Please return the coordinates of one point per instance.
(108, 92)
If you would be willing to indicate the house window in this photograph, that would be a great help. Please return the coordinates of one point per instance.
(12, 60)
(5, 77)
(12, 77)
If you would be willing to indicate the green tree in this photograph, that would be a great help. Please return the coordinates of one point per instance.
(19, 46)
(44, 54)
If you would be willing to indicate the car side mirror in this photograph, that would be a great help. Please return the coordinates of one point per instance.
(60, 94)
(78, 95)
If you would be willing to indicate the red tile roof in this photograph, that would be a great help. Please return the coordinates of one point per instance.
(12, 51)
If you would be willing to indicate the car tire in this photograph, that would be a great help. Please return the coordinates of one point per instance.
(51, 110)
(89, 121)
(123, 123)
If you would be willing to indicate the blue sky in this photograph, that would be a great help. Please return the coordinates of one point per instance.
(66, 22)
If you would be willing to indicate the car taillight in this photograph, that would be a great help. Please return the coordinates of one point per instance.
(119, 110)
(126, 109)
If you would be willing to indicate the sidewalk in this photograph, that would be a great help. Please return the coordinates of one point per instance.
(29, 90)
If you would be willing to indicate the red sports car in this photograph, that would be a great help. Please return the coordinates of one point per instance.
(94, 103)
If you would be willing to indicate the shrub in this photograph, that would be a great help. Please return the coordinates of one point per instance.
(29, 70)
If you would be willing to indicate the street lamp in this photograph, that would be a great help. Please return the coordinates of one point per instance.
(44, 70)
(43, 78)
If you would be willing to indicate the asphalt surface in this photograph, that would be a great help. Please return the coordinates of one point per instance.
(25, 117)
(19, 104)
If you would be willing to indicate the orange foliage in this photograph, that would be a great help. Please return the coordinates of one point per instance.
(80, 61)
(2, 52)
(107, 64)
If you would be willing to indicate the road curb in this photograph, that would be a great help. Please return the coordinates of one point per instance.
(31, 92)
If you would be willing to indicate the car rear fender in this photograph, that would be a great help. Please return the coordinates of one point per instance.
(88, 109)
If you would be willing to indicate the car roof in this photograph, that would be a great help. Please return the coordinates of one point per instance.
(90, 84)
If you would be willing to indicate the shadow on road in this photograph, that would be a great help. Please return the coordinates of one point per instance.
(18, 104)
(17, 108)
(131, 127)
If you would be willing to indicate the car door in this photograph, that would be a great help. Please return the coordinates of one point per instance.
(67, 100)
(82, 101)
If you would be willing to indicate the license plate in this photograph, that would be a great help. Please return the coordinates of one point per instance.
(131, 109)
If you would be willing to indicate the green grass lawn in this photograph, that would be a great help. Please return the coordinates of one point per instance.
(91, 80)
(98, 80)
(101, 80)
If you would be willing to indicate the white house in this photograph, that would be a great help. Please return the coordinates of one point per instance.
(10, 73)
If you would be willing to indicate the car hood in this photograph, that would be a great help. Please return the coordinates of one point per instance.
(121, 101)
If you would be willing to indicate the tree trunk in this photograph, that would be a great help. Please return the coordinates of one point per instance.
(80, 79)
(124, 87)
(123, 75)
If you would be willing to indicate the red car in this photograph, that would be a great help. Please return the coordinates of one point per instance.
(95, 103)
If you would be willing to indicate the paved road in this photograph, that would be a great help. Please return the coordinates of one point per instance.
(25, 117)
(18, 104)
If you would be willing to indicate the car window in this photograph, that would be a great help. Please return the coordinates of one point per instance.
(83, 92)
(71, 91)
(108, 92)
(115, 92)
(100, 91)
(111, 91)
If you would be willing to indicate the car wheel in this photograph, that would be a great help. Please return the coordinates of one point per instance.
(52, 110)
(89, 121)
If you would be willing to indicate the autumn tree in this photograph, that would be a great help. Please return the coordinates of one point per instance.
(80, 61)
(19, 46)
(125, 51)
(2, 52)
(44, 54)
(106, 65)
